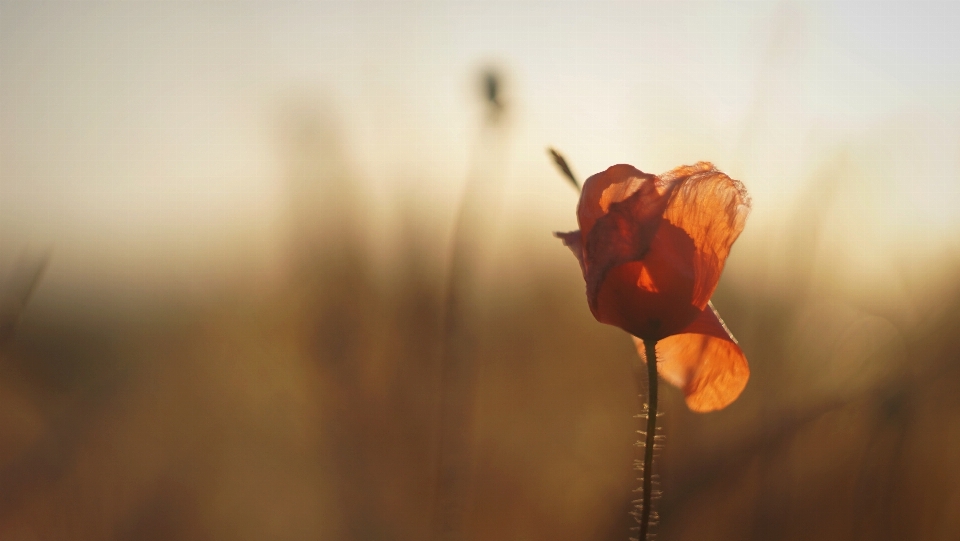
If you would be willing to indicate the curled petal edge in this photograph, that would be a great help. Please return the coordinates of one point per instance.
(574, 241)
(712, 208)
(704, 361)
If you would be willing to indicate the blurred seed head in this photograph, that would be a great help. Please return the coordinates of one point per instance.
(492, 84)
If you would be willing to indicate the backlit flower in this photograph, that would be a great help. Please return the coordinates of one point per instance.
(651, 249)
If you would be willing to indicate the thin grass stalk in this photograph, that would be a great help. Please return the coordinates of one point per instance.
(458, 369)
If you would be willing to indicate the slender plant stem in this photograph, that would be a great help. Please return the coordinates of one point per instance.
(459, 362)
(651, 354)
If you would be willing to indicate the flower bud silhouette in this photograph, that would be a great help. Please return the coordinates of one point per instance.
(651, 249)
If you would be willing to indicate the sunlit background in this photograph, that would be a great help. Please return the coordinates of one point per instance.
(241, 241)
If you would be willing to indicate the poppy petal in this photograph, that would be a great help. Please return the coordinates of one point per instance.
(620, 214)
(614, 185)
(705, 361)
(650, 298)
(574, 241)
(712, 209)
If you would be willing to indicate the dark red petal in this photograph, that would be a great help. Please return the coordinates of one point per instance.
(624, 234)
(651, 298)
(705, 361)
(611, 186)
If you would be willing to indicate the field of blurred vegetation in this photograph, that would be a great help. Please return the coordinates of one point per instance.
(458, 382)
(313, 410)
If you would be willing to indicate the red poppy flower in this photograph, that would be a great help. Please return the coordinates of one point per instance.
(651, 249)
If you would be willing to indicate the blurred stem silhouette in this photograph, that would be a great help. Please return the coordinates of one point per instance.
(651, 355)
(458, 369)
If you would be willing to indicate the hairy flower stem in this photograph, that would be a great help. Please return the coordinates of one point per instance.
(651, 354)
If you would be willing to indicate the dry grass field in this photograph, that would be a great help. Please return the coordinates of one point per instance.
(314, 410)
(447, 381)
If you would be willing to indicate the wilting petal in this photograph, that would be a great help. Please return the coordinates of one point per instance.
(712, 208)
(704, 361)
(574, 241)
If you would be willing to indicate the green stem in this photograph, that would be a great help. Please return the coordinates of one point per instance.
(651, 354)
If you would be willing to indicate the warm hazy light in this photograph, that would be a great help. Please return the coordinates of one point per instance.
(227, 262)
(165, 121)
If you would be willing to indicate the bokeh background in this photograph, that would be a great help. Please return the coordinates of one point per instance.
(284, 270)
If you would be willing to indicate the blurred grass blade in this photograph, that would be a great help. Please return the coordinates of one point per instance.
(17, 290)
(564, 168)
(458, 370)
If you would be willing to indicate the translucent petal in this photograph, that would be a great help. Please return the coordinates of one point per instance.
(712, 209)
(705, 361)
